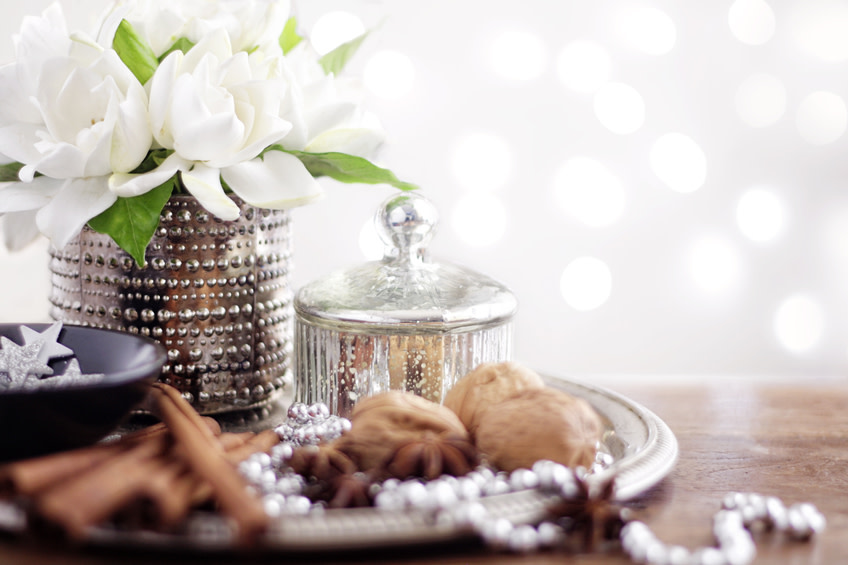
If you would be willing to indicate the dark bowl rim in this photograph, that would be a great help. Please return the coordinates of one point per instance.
(115, 379)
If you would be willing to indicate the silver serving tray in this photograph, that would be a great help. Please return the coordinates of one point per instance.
(643, 449)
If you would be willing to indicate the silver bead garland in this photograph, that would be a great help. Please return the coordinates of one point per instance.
(455, 501)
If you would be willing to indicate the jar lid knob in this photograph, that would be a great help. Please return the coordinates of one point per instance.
(406, 223)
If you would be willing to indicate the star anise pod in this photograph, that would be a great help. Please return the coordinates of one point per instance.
(431, 456)
(591, 512)
(322, 463)
(349, 490)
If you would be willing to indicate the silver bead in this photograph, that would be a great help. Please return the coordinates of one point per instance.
(776, 513)
(467, 489)
(281, 453)
(439, 495)
(389, 500)
(496, 532)
(263, 458)
(414, 493)
(251, 470)
(734, 501)
(522, 479)
(550, 534)
(273, 505)
(804, 521)
(298, 412)
(707, 556)
(523, 539)
(656, 553)
(678, 555)
(740, 550)
(297, 505)
(551, 475)
(318, 411)
(290, 484)
(496, 486)
(468, 514)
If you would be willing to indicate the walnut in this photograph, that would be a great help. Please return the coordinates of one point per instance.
(382, 423)
(539, 424)
(432, 456)
(488, 384)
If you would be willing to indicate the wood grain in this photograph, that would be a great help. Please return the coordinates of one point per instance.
(785, 440)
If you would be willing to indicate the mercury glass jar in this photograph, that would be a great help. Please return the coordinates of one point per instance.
(401, 323)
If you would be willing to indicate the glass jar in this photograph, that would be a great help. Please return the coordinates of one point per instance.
(401, 323)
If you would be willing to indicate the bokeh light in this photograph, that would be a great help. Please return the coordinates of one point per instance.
(389, 74)
(760, 214)
(761, 100)
(334, 28)
(714, 264)
(646, 28)
(818, 28)
(479, 220)
(589, 192)
(620, 108)
(679, 162)
(751, 21)
(481, 161)
(822, 118)
(586, 283)
(799, 323)
(583, 66)
(518, 55)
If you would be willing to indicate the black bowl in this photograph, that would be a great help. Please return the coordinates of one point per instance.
(42, 421)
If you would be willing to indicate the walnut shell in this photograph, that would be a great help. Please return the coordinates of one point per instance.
(381, 424)
(539, 424)
(488, 384)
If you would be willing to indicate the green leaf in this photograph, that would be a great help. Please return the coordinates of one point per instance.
(347, 168)
(9, 172)
(335, 60)
(183, 44)
(154, 158)
(289, 38)
(131, 222)
(136, 54)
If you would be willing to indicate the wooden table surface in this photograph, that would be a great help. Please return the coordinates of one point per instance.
(788, 440)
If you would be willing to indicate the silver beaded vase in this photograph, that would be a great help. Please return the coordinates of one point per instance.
(215, 293)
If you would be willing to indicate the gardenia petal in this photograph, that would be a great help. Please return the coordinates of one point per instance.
(123, 184)
(17, 105)
(204, 183)
(19, 229)
(77, 202)
(20, 196)
(41, 38)
(131, 138)
(362, 142)
(278, 180)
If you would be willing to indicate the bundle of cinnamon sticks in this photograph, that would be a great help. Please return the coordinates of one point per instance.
(154, 477)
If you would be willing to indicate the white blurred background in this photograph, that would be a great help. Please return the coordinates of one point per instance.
(664, 185)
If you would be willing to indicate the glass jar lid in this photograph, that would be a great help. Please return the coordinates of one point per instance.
(405, 292)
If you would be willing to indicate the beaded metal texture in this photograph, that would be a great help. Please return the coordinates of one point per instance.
(216, 294)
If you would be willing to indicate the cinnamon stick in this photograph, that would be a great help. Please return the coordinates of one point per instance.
(93, 496)
(31, 476)
(176, 490)
(206, 458)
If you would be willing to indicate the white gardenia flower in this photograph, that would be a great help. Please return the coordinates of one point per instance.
(248, 23)
(326, 111)
(73, 113)
(218, 110)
